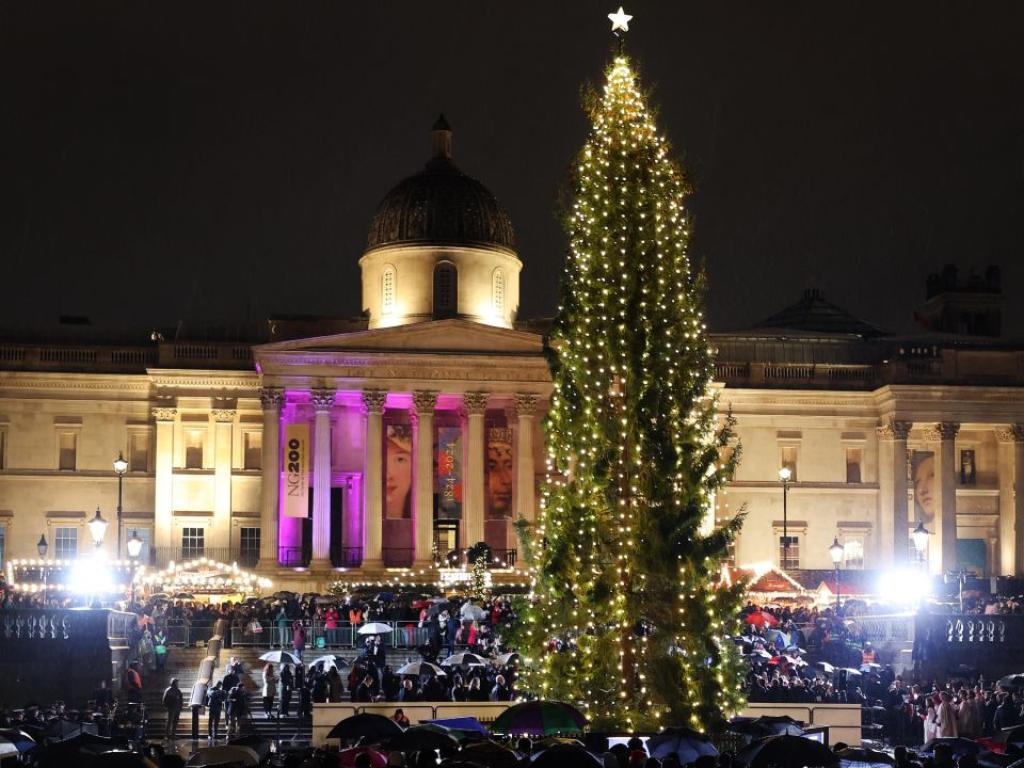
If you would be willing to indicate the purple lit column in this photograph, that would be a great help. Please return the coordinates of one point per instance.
(323, 404)
(423, 510)
(270, 398)
(373, 509)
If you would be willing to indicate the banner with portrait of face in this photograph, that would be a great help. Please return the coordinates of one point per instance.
(397, 471)
(922, 481)
(448, 477)
(499, 474)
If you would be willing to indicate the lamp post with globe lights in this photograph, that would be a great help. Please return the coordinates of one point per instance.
(120, 467)
(785, 474)
(837, 551)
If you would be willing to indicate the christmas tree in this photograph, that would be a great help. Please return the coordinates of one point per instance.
(629, 620)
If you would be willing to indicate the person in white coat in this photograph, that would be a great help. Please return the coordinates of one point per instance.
(269, 689)
(931, 723)
(946, 716)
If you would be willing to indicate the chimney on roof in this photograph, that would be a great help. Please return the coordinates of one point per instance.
(441, 137)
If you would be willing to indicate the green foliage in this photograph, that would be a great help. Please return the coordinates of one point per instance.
(628, 619)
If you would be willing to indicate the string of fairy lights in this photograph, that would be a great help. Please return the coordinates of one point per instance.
(633, 445)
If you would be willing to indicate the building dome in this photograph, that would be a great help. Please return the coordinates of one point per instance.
(441, 205)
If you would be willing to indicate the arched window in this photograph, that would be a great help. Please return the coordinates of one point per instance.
(387, 289)
(446, 290)
(498, 292)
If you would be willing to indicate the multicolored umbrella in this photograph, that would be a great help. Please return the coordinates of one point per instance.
(541, 718)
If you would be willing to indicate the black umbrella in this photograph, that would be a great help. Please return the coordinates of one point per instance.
(418, 738)
(787, 752)
(489, 754)
(1013, 735)
(861, 755)
(1011, 681)
(960, 746)
(565, 756)
(122, 759)
(366, 724)
(687, 743)
(62, 730)
(996, 760)
(760, 727)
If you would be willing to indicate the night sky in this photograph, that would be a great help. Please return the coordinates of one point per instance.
(219, 162)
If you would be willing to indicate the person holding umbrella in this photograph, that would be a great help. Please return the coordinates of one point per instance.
(269, 690)
(298, 639)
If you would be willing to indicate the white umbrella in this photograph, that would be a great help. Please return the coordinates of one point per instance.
(418, 668)
(464, 658)
(375, 628)
(329, 661)
(280, 657)
(474, 613)
(506, 659)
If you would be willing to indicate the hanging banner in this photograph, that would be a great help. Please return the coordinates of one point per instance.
(398, 474)
(296, 470)
(448, 482)
(922, 478)
(499, 473)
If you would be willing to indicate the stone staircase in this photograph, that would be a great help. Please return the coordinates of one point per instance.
(184, 663)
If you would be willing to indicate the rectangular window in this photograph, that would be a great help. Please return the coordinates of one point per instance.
(65, 543)
(789, 560)
(138, 451)
(248, 546)
(194, 448)
(193, 543)
(67, 451)
(252, 449)
(787, 459)
(853, 462)
(853, 552)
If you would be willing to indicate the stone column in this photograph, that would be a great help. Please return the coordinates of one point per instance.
(1011, 499)
(525, 409)
(945, 497)
(323, 403)
(473, 509)
(893, 520)
(373, 511)
(163, 507)
(224, 422)
(270, 477)
(424, 403)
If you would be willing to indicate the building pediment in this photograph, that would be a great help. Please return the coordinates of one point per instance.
(432, 337)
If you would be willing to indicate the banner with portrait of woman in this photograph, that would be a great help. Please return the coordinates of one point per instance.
(500, 475)
(922, 481)
(398, 471)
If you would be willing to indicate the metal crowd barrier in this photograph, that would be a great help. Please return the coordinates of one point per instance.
(403, 634)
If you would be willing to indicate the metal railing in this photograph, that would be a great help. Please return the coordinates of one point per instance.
(346, 557)
(499, 558)
(405, 634)
(294, 557)
(398, 557)
(187, 635)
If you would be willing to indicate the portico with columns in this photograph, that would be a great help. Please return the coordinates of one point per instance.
(349, 388)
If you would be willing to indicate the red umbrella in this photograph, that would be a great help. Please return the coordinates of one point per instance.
(761, 619)
(347, 757)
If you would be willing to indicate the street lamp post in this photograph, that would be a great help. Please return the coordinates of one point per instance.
(784, 476)
(41, 548)
(120, 467)
(836, 551)
(98, 528)
(134, 550)
(920, 536)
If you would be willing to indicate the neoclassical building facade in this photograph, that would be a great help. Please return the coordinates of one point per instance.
(392, 443)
